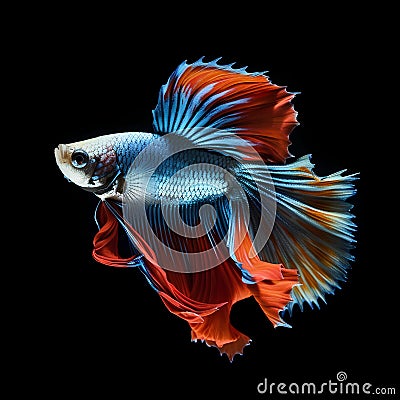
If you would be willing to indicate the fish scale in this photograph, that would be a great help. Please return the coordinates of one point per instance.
(192, 175)
(128, 145)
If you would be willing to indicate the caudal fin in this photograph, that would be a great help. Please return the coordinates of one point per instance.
(314, 229)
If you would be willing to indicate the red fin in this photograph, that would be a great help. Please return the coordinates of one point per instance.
(270, 284)
(222, 283)
(258, 269)
(222, 97)
(274, 295)
(105, 243)
(185, 307)
(232, 348)
(217, 331)
(211, 292)
(204, 299)
(178, 300)
(106, 252)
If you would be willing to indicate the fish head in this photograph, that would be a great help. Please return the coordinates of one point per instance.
(90, 164)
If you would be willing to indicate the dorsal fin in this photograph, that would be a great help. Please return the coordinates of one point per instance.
(223, 98)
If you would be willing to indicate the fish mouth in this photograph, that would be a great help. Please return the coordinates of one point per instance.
(61, 153)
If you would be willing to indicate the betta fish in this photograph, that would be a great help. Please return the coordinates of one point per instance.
(213, 206)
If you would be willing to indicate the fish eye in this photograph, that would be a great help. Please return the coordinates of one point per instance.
(79, 158)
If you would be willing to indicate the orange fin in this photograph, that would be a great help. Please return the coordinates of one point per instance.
(229, 340)
(186, 308)
(204, 299)
(106, 252)
(273, 296)
(105, 243)
(232, 348)
(222, 283)
(219, 97)
(270, 284)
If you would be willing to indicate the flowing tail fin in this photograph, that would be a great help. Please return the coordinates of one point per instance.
(313, 231)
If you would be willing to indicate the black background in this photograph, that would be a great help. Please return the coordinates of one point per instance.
(99, 329)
